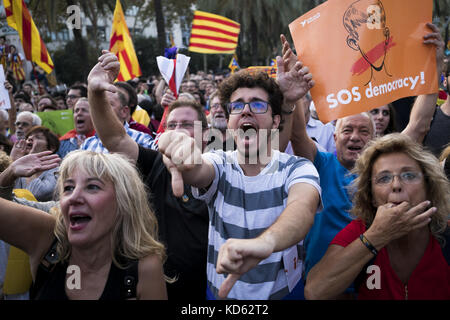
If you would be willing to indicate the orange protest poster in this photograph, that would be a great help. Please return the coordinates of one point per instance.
(366, 53)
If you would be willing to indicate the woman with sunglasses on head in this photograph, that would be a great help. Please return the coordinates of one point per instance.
(397, 246)
(99, 243)
(384, 118)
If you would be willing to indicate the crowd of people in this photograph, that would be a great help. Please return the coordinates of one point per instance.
(233, 190)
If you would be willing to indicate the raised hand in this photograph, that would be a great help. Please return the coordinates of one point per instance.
(289, 58)
(19, 149)
(28, 165)
(293, 78)
(8, 86)
(104, 73)
(295, 83)
(435, 38)
(168, 98)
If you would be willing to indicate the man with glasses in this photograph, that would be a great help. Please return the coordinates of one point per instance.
(75, 93)
(24, 121)
(261, 202)
(182, 222)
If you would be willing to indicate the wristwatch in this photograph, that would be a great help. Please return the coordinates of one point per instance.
(288, 112)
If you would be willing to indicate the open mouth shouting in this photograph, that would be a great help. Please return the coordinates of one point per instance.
(78, 221)
(355, 148)
(247, 130)
(80, 123)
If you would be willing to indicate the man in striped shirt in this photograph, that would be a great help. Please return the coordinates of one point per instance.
(261, 202)
(118, 103)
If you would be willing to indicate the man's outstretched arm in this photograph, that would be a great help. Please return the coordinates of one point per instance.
(108, 127)
(425, 105)
(237, 256)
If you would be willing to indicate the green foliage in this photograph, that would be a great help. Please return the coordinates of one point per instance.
(146, 51)
(261, 21)
(69, 66)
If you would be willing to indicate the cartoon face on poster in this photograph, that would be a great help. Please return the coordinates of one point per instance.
(366, 53)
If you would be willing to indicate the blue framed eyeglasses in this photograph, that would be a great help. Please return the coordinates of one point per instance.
(255, 107)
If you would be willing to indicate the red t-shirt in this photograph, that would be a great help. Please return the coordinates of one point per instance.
(430, 279)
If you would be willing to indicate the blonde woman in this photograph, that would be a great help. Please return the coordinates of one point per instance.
(101, 241)
(398, 245)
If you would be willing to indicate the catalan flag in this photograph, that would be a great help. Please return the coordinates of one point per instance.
(121, 44)
(212, 33)
(19, 18)
(233, 65)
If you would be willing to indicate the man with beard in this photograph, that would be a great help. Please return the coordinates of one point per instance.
(24, 121)
(218, 134)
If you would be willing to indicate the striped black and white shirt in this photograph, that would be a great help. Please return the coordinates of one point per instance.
(243, 207)
(143, 139)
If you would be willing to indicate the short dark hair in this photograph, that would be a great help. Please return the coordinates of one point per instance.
(192, 104)
(52, 139)
(23, 95)
(81, 88)
(132, 95)
(122, 99)
(52, 100)
(6, 143)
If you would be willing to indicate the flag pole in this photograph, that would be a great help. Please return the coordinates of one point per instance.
(220, 61)
(205, 64)
(37, 80)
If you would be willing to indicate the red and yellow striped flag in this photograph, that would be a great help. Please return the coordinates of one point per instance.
(212, 33)
(121, 44)
(19, 18)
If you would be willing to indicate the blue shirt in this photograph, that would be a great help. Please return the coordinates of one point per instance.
(145, 140)
(334, 181)
(67, 146)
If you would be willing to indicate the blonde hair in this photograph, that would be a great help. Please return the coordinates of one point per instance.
(436, 184)
(135, 232)
(5, 161)
(445, 153)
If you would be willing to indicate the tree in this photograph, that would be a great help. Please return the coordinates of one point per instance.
(261, 24)
(164, 13)
(51, 15)
(160, 25)
(146, 51)
(71, 67)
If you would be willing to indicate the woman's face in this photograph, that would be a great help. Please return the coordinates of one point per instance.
(396, 178)
(381, 116)
(89, 206)
(36, 142)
